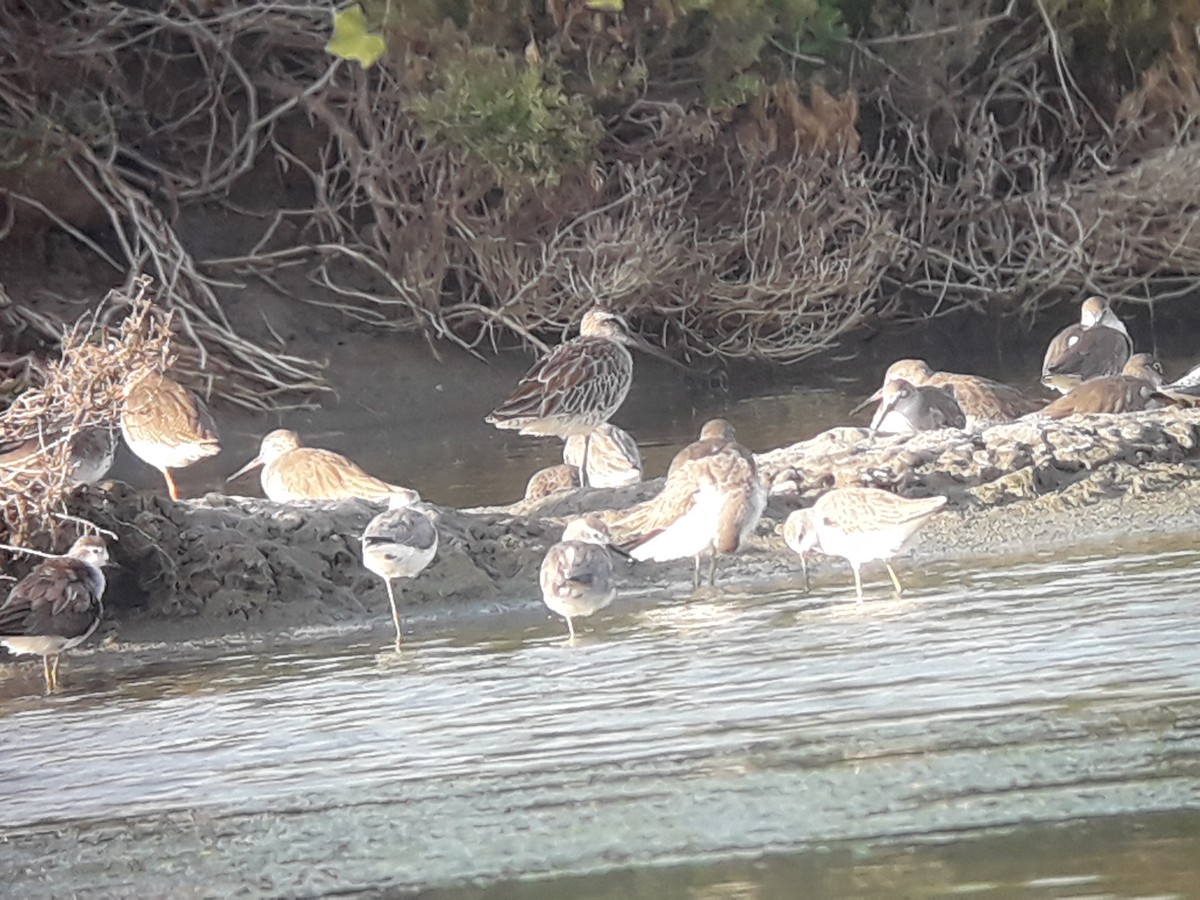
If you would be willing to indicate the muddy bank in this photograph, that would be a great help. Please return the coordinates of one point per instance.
(225, 565)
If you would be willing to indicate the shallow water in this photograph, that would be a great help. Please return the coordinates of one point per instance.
(1032, 729)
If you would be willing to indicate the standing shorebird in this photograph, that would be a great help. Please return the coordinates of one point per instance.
(167, 425)
(551, 480)
(613, 458)
(859, 525)
(294, 473)
(56, 606)
(577, 573)
(711, 502)
(1098, 345)
(577, 386)
(399, 543)
(982, 401)
(907, 408)
(1131, 391)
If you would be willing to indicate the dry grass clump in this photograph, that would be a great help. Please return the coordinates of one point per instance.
(80, 390)
(1020, 186)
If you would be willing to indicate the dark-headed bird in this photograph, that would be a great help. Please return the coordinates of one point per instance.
(56, 606)
(983, 401)
(398, 543)
(1097, 345)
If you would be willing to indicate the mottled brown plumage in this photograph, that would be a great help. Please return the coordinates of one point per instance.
(293, 473)
(982, 400)
(710, 504)
(167, 425)
(859, 525)
(575, 387)
(1130, 391)
(90, 456)
(551, 480)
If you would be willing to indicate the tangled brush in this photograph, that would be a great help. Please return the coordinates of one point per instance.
(80, 394)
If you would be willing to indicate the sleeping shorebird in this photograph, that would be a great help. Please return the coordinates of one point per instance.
(293, 473)
(711, 502)
(90, 455)
(56, 606)
(1098, 345)
(613, 458)
(1131, 391)
(859, 525)
(551, 480)
(399, 543)
(577, 573)
(578, 385)
(167, 425)
(906, 408)
(1184, 390)
(982, 401)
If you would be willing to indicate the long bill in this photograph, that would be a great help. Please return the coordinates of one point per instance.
(257, 461)
(874, 398)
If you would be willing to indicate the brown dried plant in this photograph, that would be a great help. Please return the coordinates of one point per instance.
(81, 389)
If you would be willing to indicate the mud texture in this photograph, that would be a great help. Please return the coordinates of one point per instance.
(230, 565)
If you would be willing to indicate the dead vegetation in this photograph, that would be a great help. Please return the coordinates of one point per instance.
(969, 165)
(82, 390)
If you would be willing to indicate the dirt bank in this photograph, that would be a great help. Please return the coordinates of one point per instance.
(240, 566)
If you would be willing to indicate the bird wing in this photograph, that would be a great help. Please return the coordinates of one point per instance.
(59, 596)
(1109, 394)
(316, 473)
(586, 371)
(576, 567)
(161, 410)
(1089, 353)
(402, 527)
(861, 510)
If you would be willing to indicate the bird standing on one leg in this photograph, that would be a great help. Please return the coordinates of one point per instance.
(399, 543)
(166, 425)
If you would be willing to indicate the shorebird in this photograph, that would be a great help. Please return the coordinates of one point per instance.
(859, 525)
(551, 480)
(906, 408)
(56, 606)
(1140, 379)
(982, 400)
(578, 385)
(1098, 345)
(613, 458)
(577, 573)
(399, 543)
(167, 425)
(293, 473)
(1185, 390)
(711, 502)
(90, 455)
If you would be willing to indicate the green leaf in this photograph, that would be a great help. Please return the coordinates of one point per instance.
(351, 39)
(612, 6)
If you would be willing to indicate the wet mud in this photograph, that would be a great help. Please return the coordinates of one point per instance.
(225, 565)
